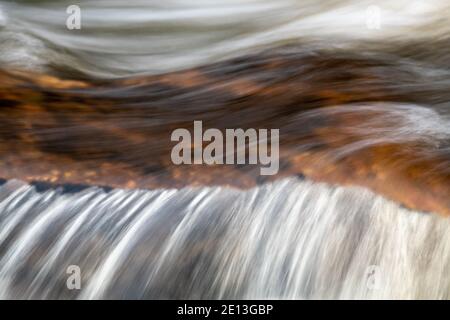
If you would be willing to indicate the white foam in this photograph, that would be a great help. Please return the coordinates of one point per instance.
(290, 239)
(155, 36)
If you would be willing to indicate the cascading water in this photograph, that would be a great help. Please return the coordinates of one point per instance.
(289, 239)
(95, 106)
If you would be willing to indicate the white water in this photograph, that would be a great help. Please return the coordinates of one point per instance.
(153, 36)
(290, 239)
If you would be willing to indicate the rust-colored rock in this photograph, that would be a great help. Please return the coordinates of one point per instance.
(117, 133)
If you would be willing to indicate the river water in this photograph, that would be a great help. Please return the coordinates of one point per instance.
(292, 238)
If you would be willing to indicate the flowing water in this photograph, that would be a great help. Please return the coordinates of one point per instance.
(151, 36)
(290, 238)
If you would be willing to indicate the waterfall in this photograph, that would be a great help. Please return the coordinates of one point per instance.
(289, 239)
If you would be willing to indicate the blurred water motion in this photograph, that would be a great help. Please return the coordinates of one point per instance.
(141, 36)
(291, 239)
(85, 123)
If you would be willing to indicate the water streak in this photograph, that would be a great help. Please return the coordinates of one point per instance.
(290, 239)
(138, 36)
